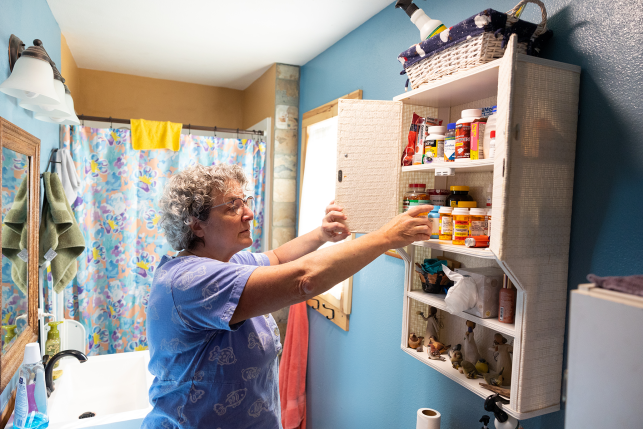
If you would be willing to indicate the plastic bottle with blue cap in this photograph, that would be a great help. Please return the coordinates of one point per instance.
(31, 394)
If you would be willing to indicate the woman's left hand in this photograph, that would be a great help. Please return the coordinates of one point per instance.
(334, 226)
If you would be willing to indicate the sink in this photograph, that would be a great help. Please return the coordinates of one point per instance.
(114, 387)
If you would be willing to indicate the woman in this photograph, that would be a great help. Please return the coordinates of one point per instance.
(213, 343)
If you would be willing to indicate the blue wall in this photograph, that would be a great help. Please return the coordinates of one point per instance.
(28, 20)
(361, 378)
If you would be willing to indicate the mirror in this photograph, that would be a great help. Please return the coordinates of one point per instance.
(15, 242)
(20, 212)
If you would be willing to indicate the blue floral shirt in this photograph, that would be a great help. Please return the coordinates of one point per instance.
(209, 374)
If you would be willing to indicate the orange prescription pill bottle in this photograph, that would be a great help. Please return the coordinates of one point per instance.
(478, 222)
(460, 225)
(446, 223)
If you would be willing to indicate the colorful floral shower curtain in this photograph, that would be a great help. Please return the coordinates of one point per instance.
(15, 169)
(117, 209)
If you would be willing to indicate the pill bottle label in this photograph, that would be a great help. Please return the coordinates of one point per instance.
(449, 149)
(432, 147)
(434, 222)
(439, 200)
(460, 231)
(478, 228)
(463, 140)
(446, 228)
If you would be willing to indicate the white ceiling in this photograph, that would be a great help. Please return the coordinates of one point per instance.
(211, 42)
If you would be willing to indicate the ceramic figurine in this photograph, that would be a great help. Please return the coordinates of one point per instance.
(438, 345)
(494, 379)
(482, 366)
(434, 353)
(468, 369)
(414, 341)
(432, 324)
(469, 348)
(456, 348)
(485, 421)
(456, 359)
(501, 355)
(419, 348)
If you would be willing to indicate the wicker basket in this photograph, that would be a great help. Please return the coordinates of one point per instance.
(472, 52)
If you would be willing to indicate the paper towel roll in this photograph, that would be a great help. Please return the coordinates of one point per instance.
(428, 419)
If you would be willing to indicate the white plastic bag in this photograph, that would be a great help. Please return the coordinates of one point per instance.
(461, 296)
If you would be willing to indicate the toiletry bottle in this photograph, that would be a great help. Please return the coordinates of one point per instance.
(10, 333)
(434, 218)
(507, 304)
(491, 126)
(449, 143)
(463, 134)
(31, 393)
(428, 27)
(435, 143)
(52, 346)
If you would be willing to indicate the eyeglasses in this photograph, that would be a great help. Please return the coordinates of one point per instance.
(237, 204)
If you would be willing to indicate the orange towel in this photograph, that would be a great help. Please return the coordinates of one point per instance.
(292, 370)
(148, 135)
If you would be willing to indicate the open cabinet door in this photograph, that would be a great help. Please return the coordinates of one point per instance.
(369, 154)
(506, 78)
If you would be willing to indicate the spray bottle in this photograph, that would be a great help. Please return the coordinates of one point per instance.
(428, 27)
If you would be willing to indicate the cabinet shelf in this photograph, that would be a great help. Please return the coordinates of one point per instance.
(446, 368)
(445, 246)
(472, 384)
(437, 301)
(476, 166)
(473, 84)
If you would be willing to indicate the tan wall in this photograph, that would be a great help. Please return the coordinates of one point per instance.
(134, 97)
(71, 73)
(100, 93)
(259, 98)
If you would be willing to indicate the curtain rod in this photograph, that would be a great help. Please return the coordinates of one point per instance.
(185, 127)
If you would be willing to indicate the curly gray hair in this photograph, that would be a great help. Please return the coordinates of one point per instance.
(187, 196)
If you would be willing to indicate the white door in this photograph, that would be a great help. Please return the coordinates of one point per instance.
(369, 152)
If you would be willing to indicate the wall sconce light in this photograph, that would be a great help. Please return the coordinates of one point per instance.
(71, 119)
(31, 73)
(57, 110)
(32, 82)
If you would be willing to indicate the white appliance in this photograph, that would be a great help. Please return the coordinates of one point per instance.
(605, 373)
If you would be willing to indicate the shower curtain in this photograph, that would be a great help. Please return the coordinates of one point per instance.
(117, 209)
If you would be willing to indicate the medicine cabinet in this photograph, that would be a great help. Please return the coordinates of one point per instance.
(532, 177)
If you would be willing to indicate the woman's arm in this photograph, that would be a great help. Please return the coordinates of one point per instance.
(271, 288)
(333, 229)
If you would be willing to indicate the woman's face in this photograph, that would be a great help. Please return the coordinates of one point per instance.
(226, 232)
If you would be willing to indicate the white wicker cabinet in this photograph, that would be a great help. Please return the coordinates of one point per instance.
(532, 176)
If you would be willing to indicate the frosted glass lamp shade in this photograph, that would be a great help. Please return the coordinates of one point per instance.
(69, 120)
(31, 78)
(72, 119)
(58, 110)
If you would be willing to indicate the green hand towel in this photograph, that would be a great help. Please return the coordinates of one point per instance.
(15, 236)
(59, 232)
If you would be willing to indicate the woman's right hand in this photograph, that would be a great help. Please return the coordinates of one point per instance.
(405, 228)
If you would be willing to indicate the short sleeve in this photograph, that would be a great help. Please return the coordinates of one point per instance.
(247, 258)
(206, 292)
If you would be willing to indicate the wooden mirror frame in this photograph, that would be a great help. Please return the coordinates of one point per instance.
(20, 141)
